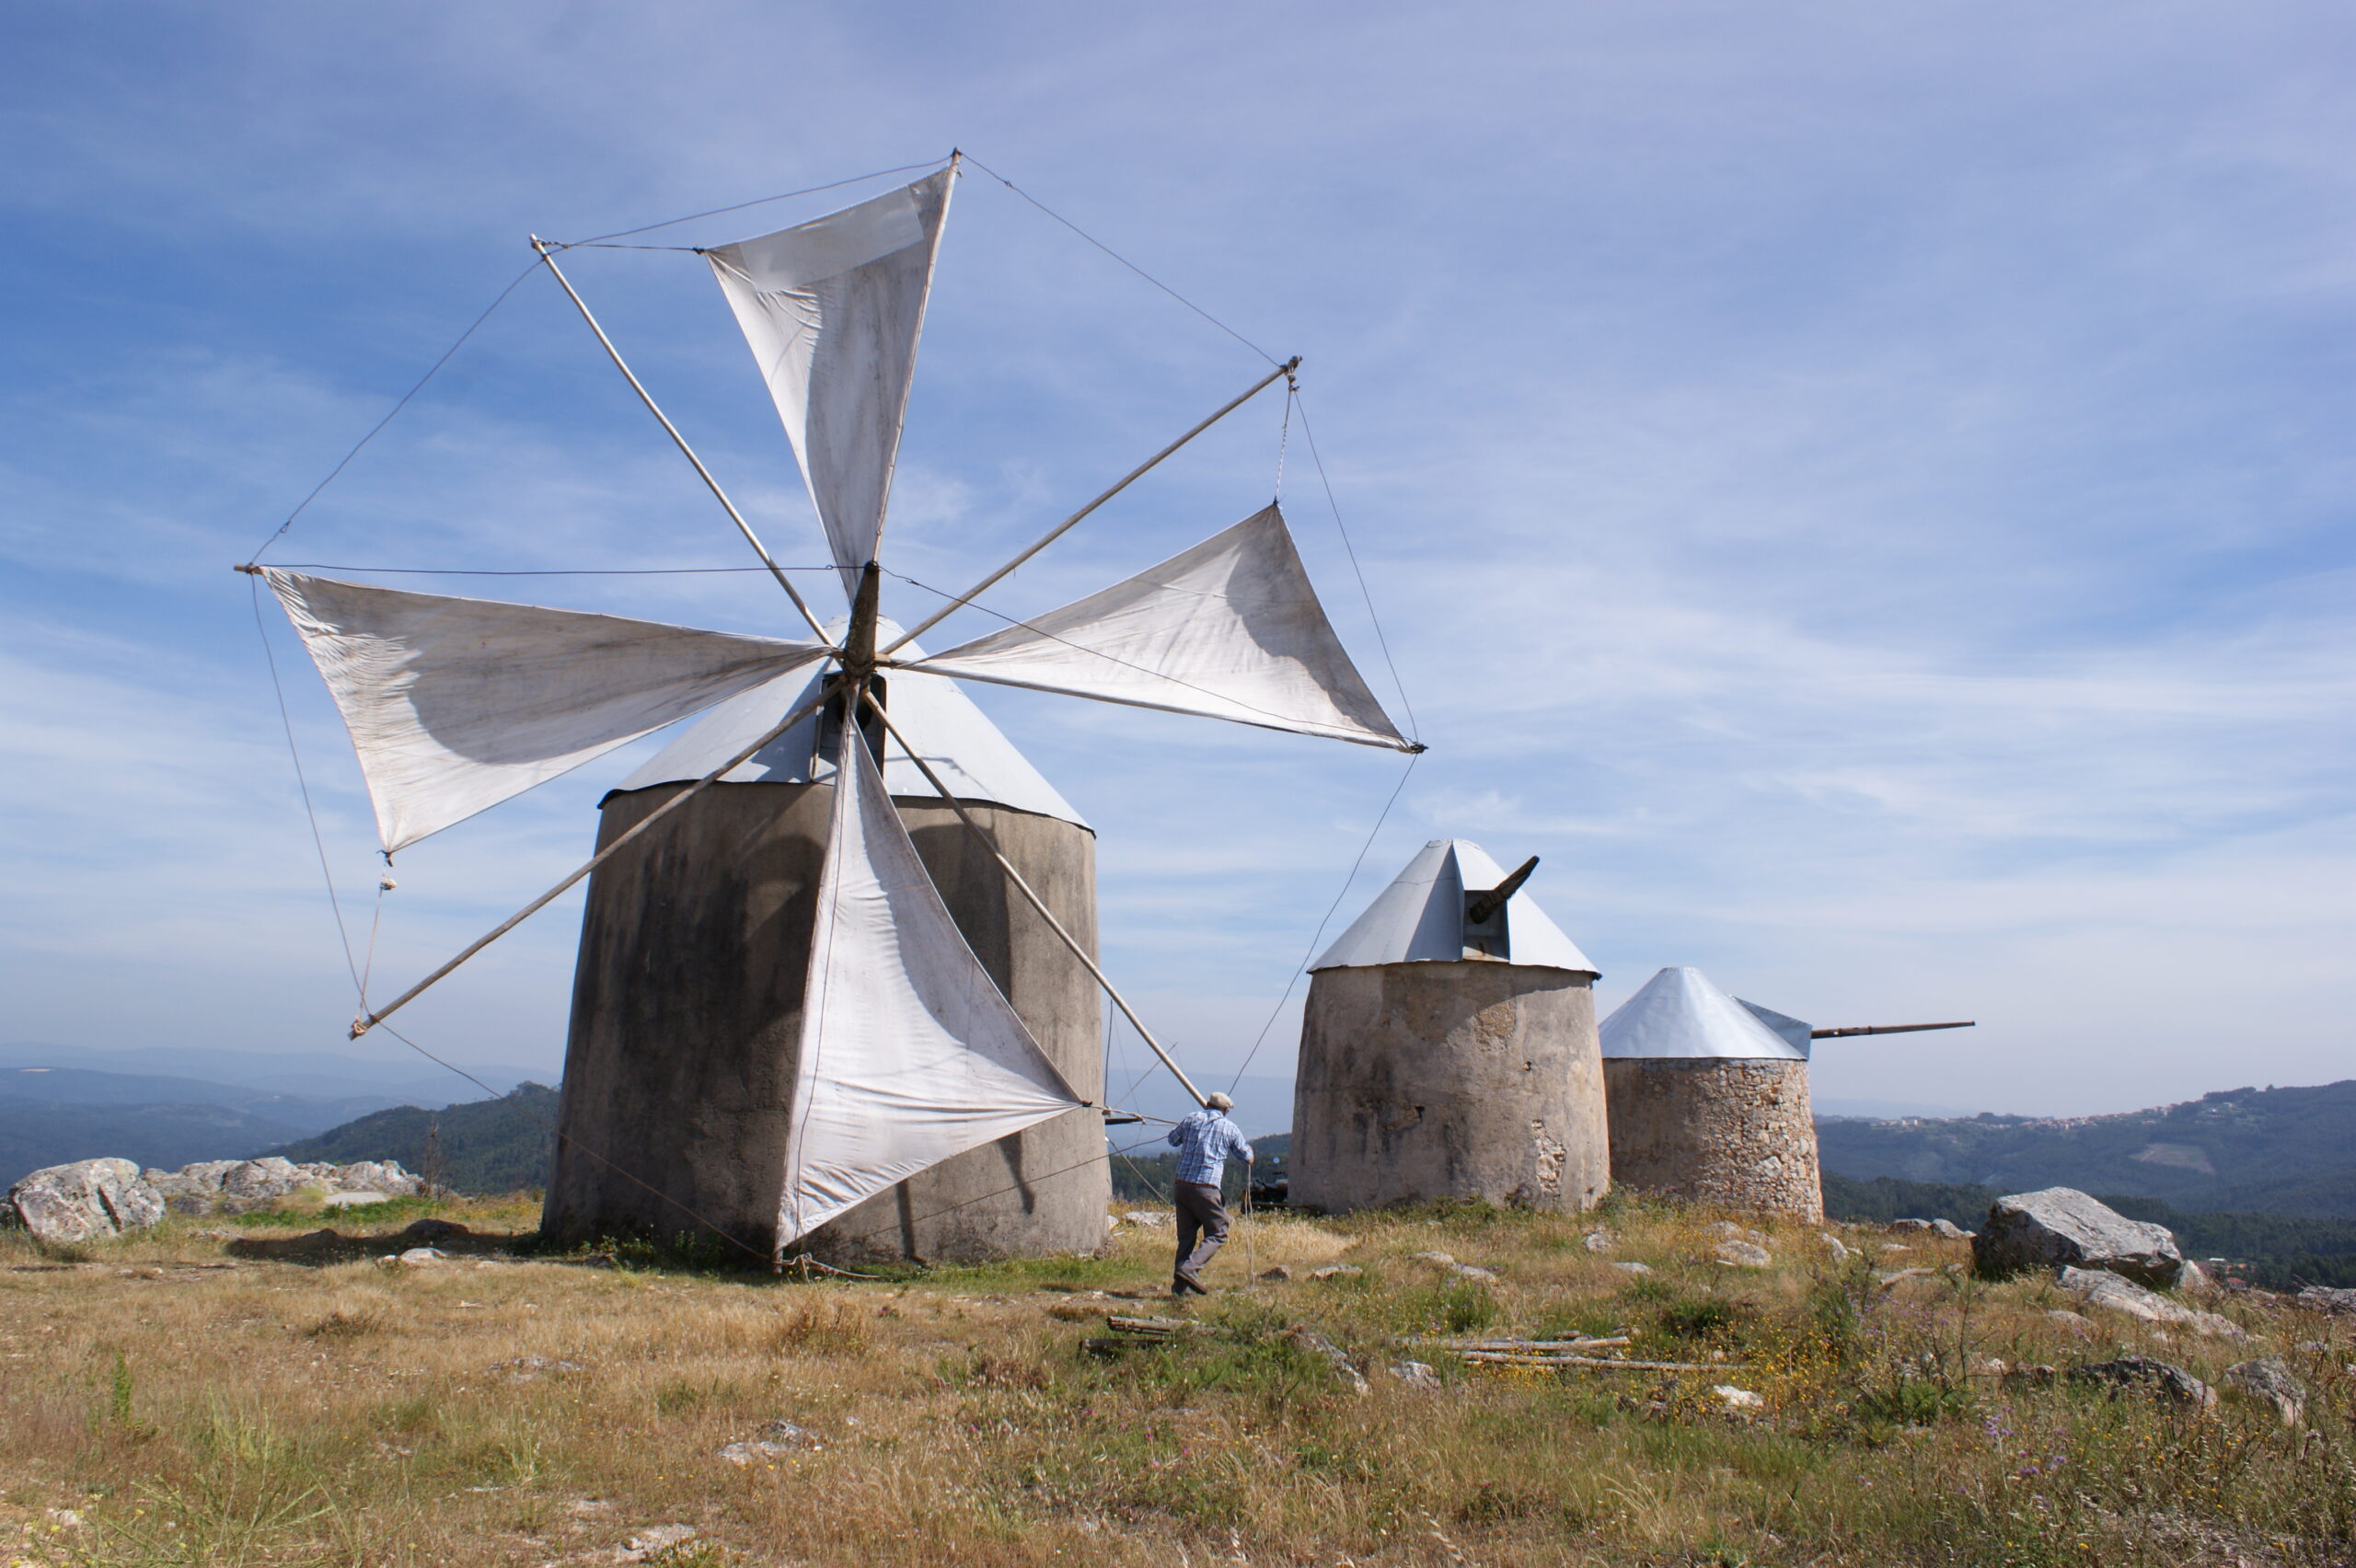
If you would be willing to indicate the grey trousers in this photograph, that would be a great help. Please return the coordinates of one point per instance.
(1199, 1212)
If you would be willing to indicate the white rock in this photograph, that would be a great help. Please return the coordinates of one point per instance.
(1743, 1255)
(1738, 1398)
(1416, 1375)
(2063, 1226)
(1840, 1248)
(2103, 1289)
(1633, 1268)
(354, 1200)
(422, 1257)
(86, 1201)
(1600, 1241)
(1336, 1271)
(653, 1542)
(1146, 1218)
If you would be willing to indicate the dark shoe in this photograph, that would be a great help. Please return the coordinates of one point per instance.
(1183, 1287)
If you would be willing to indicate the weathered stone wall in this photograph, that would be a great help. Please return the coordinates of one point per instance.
(1738, 1133)
(1419, 1081)
(687, 1013)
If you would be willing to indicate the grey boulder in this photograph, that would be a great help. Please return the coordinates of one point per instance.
(2063, 1226)
(86, 1201)
(2145, 1375)
(2324, 1299)
(2267, 1380)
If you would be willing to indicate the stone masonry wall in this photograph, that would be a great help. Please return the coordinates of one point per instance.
(1733, 1131)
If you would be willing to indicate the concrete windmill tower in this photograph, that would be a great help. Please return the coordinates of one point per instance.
(817, 1006)
(1449, 1050)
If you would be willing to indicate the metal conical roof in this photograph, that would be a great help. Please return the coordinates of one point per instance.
(973, 755)
(1419, 918)
(1679, 1015)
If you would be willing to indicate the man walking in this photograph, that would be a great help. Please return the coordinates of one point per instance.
(1204, 1140)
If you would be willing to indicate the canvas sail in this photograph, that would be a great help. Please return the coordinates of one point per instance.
(909, 1053)
(832, 309)
(454, 705)
(1230, 629)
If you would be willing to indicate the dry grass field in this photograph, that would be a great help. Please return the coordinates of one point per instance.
(223, 1392)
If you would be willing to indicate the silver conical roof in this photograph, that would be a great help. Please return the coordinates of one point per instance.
(1679, 1015)
(1792, 1031)
(1419, 918)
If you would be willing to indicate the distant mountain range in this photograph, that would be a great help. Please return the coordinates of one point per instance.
(167, 1107)
(485, 1146)
(2285, 1151)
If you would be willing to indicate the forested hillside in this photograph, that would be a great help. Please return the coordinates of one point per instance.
(2282, 1151)
(488, 1147)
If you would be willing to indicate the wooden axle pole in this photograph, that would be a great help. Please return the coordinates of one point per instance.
(368, 1020)
(656, 408)
(1037, 903)
(1065, 527)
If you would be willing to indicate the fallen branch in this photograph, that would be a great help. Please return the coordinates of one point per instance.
(1510, 1358)
(1520, 1346)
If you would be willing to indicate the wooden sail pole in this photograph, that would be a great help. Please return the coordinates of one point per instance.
(656, 408)
(368, 1020)
(1065, 527)
(1035, 902)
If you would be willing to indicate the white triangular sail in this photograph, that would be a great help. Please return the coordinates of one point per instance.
(908, 1055)
(454, 705)
(832, 309)
(1230, 629)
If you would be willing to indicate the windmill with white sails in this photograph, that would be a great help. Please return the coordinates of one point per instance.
(779, 1026)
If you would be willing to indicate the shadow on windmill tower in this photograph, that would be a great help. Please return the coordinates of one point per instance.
(1449, 1050)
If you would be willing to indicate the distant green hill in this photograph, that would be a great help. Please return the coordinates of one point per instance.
(487, 1145)
(2283, 1150)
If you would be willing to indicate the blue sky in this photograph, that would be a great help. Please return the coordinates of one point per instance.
(1863, 492)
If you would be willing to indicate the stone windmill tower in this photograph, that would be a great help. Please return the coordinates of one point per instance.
(1709, 1095)
(1449, 1050)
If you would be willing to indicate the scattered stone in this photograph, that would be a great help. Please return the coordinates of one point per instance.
(1742, 1255)
(530, 1368)
(2070, 1322)
(1840, 1248)
(2102, 1288)
(88, 1200)
(1145, 1217)
(1416, 1375)
(1443, 1260)
(651, 1542)
(422, 1257)
(1993, 1366)
(1276, 1274)
(2143, 1373)
(2061, 1225)
(2268, 1381)
(1735, 1398)
(1600, 1241)
(2194, 1280)
(1336, 1271)
(2039, 1376)
(1889, 1280)
(1910, 1224)
(353, 1200)
(1633, 1268)
(742, 1453)
(1892, 1247)
(1951, 1230)
(2324, 1299)
(65, 1518)
(1311, 1340)
(1474, 1271)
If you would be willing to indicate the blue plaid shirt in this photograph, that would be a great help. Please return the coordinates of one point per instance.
(1204, 1141)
